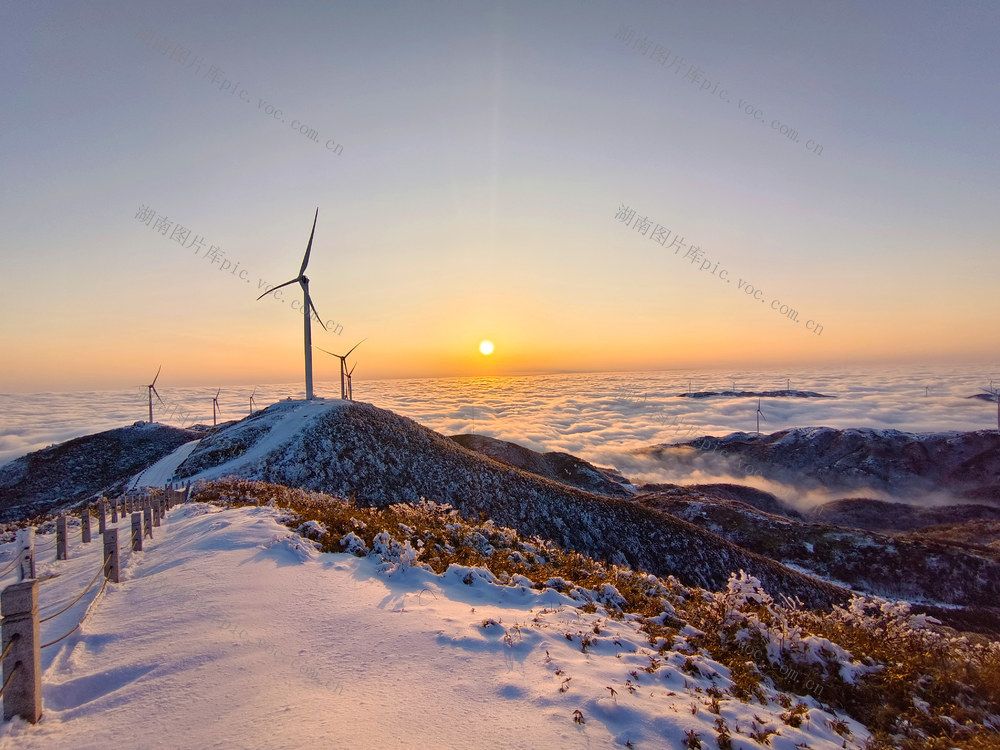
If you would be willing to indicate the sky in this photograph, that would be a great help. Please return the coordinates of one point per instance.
(590, 186)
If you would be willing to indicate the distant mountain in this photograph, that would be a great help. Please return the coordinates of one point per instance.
(916, 568)
(980, 537)
(356, 450)
(755, 394)
(966, 464)
(740, 493)
(65, 474)
(887, 517)
(561, 467)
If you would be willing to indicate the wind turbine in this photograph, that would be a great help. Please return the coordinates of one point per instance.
(252, 401)
(215, 406)
(307, 308)
(151, 390)
(350, 390)
(343, 364)
(760, 416)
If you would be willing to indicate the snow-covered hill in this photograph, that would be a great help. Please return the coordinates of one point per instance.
(960, 584)
(230, 631)
(965, 464)
(353, 449)
(74, 471)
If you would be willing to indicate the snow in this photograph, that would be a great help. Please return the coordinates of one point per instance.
(161, 472)
(287, 420)
(231, 631)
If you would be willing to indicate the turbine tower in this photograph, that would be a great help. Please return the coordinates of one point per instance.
(215, 406)
(151, 389)
(307, 309)
(760, 416)
(350, 390)
(252, 401)
(343, 365)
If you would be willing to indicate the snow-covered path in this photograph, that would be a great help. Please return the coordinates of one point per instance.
(228, 631)
(158, 474)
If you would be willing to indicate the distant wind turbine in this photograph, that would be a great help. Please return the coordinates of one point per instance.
(343, 365)
(307, 309)
(350, 390)
(760, 416)
(215, 406)
(252, 401)
(151, 390)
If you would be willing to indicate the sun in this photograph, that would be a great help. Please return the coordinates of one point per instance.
(486, 347)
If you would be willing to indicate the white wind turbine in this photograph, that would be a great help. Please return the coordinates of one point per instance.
(760, 416)
(343, 365)
(252, 401)
(215, 406)
(350, 390)
(307, 309)
(151, 389)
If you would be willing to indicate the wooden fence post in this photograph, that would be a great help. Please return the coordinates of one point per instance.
(22, 665)
(147, 516)
(187, 489)
(114, 509)
(102, 522)
(62, 543)
(156, 514)
(137, 532)
(112, 568)
(85, 524)
(26, 551)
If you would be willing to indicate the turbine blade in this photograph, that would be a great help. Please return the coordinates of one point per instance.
(272, 289)
(157, 374)
(324, 350)
(352, 370)
(218, 392)
(157, 395)
(355, 347)
(318, 318)
(305, 260)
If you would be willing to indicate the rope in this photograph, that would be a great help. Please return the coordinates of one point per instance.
(9, 646)
(89, 586)
(9, 678)
(13, 564)
(82, 619)
(52, 643)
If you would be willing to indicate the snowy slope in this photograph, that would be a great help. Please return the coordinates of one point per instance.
(163, 470)
(228, 631)
(347, 448)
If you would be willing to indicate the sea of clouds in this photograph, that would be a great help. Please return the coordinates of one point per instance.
(600, 417)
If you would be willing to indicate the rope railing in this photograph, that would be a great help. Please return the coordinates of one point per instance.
(9, 568)
(9, 678)
(89, 586)
(85, 614)
(20, 616)
(9, 647)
